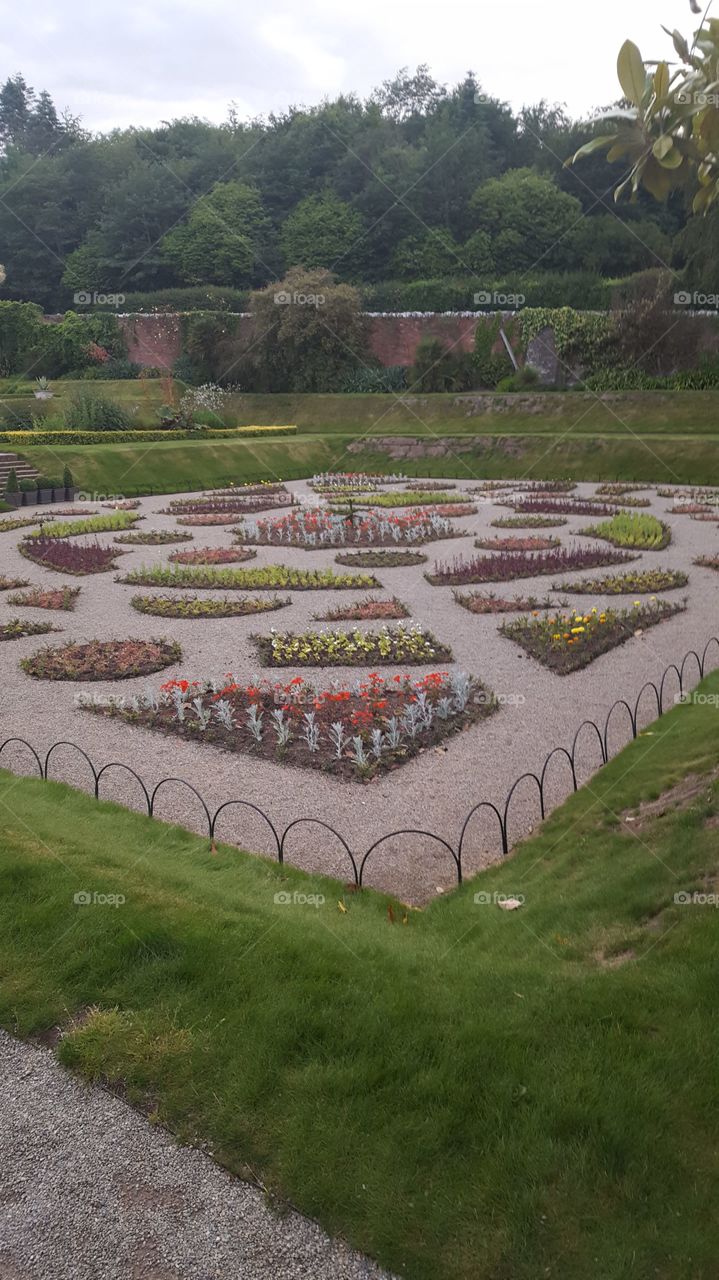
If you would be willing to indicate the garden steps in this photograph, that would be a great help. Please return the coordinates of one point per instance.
(23, 470)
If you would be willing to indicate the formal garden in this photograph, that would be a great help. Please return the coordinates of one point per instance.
(325, 648)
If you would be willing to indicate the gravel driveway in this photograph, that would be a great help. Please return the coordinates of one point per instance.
(436, 789)
(89, 1190)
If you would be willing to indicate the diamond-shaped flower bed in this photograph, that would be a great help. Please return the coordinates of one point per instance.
(351, 733)
(565, 642)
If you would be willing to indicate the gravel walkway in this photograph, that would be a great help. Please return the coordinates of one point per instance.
(89, 1190)
(435, 790)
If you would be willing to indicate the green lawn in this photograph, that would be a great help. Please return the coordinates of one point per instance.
(473, 1094)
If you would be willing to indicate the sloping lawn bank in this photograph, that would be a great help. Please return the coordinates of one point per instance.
(475, 1094)
(177, 467)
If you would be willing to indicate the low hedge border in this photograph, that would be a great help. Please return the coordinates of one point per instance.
(140, 436)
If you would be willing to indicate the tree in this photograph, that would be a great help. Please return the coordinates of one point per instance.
(426, 254)
(669, 121)
(526, 218)
(309, 333)
(223, 239)
(321, 231)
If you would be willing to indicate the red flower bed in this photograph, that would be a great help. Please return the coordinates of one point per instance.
(312, 528)
(352, 734)
(69, 556)
(47, 598)
(365, 610)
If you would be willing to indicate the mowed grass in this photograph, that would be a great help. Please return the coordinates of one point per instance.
(177, 467)
(474, 1094)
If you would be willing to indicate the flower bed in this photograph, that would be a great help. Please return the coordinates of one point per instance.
(212, 555)
(567, 642)
(526, 486)
(352, 480)
(17, 628)
(618, 488)
(479, 602)
(517, 544)
(710, 519)
(415, 498)
(234, 504)
(315, 527)
(70, 557)
(153, 537)
(370, 609)
(211, 518)
(95, 524)
(73, 511)
(642, 533)
(560, 506)
(271, 577)
(351, 733)
(122, 504)
(707, 562)
(399, 646)
(692, 509)
(196, 607)
(642, 582)
(380, 559)
(7, 525)
(102, 660)
(518, 564)
(248, 490)
(47, 598)
(529, 522)
(11, 584)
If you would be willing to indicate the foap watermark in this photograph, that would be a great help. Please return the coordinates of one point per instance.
(696, 699)
(90, 298)
(83, 496)
(286, 899)
(493, 298)
(98, 700)
(696, 98)
(704, 301)
(509, 901)
(686, 899)
(92, 898)
(286, 299)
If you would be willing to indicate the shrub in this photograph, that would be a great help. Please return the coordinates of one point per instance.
(375, 381)
(89, 411)
(12, 485)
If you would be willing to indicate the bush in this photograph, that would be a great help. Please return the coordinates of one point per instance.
(521, 380)
(12, 484)
(371, 381)
(60, 437)
(89, 411)
(436, 368)
(208, 297)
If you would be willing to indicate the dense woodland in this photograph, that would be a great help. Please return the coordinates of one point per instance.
(417, 183)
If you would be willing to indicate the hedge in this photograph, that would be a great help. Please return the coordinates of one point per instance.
(137, 437)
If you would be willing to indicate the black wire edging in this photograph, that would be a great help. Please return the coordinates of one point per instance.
(358, 862)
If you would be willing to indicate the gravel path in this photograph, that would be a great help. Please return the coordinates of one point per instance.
(435, 790)
(89, 1190)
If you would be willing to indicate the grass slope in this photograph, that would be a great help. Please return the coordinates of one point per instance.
(473, 1094)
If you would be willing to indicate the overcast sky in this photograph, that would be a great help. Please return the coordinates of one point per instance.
(150, 60)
